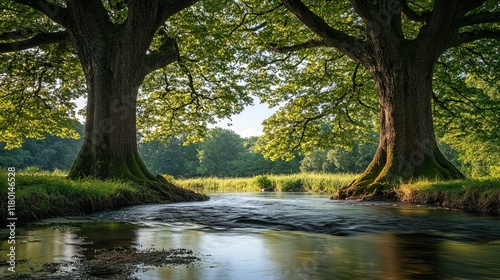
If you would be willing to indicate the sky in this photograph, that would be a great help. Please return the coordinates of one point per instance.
(249, 122)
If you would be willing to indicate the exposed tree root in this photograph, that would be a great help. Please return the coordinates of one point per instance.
(131, 169)
(381, 177)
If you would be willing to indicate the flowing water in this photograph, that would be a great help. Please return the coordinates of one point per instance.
(282, 236)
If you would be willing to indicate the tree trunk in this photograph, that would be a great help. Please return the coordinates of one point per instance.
(110, 144)
(113, 60)
(407, 147)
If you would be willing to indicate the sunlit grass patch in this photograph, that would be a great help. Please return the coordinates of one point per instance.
(47, 194)
(474, 195)
(302, 182)
(214, 184)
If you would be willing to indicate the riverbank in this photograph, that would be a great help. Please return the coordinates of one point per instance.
(481, 196)
(38, 195)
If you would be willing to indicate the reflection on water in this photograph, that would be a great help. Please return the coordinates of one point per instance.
(284, 236)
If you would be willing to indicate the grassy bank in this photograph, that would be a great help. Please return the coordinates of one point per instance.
(471, 195)
(41, 195)
(303, 182)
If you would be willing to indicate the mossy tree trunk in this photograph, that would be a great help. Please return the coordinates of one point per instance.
(115, 61)
(402, 67)
(407, 146)
(403, 71)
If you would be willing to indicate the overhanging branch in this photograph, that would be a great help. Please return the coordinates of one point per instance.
(477, 19)
(165, 55)
(18, 34)
(38, 40)
(468, 37)
(345, 43)
(306, 45)
(53, 11)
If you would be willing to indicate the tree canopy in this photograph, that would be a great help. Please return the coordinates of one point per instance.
(327, 98)
(42, 76)
(337, 70)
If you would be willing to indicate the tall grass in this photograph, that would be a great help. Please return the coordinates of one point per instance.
(302, 182)
(473, 195)
(41, 194)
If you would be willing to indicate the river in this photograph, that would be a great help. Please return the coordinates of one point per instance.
(278, 236)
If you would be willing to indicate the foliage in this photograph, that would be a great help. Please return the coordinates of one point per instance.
(223, 153)
(218, 152)
(205, 85)
(339, 159)
(467, 103)
(263, 182)
(181, 160)
(37, 86)
(252, 162)
(231, 50)
(467, 96)
(327, 100)
(40, 82)
(48, 154)
(480, 158)
(171, 158)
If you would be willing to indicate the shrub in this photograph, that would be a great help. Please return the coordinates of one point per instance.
(263, 182)
(291, 184)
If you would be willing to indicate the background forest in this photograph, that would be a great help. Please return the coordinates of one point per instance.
(223, 153)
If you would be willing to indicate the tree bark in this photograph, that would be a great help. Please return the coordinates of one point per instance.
(110, 143)
(402, 70)
(114, 62)
(407, 148)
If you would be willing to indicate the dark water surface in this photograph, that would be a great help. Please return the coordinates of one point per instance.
(285, 236)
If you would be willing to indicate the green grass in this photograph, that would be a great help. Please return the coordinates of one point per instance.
(473, 195)
(302, 182)
(49, 194)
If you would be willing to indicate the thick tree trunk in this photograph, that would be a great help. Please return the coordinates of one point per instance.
(110, 145)
(113, 60)
(407, 148)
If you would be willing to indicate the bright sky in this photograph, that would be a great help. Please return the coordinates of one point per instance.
(249, 122)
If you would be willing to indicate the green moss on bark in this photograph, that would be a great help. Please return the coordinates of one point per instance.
(381, 177)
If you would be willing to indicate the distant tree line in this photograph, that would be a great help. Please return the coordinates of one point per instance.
(223, 153)
(48, 154)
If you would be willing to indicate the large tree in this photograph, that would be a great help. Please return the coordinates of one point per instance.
(333, 61)
(118, 44)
